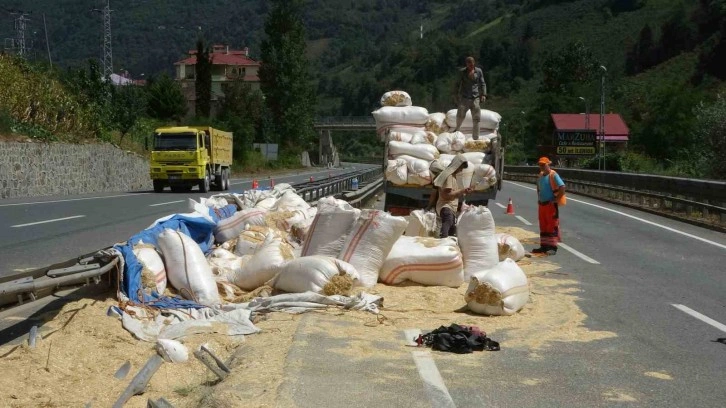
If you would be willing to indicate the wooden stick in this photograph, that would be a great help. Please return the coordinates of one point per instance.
(217, 360)
(138, 384)
(210, 363)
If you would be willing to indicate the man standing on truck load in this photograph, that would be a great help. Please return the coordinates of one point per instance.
(550, 194)
(470, 93)
(449, 194)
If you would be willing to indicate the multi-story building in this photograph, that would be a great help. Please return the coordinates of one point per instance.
(227, 66)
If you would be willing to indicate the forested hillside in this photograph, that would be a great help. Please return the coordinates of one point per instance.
(539, 57)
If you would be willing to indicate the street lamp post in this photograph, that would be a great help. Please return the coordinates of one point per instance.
(602, 115)
(587, 113)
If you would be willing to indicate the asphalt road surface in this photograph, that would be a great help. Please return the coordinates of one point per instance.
(658, 285)
(38, 232)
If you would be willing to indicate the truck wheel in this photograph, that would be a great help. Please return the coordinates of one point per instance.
(204, 184)
(158, 186)
(225, 172)
(219, 182)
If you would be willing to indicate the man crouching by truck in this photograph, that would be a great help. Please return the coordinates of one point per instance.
(449, 194)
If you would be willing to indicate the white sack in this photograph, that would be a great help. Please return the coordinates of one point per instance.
(269, 259)
(502, 290)
(488, 120)
(414, 164)
(311, 273)
(398, 136)
(396, 98)
(421, 151)
(484, 177)
(475, 158)
(422, 224)
(329, 228)
(438, 165)
(481, 145)
(475, 230)
(187, 268)
(370, 241)
(153, 272)
(248, 241)
(172, 351)
(397, 171)
(509, 247)
(428, 261)
(407, 115)
(437, 123)
(230, 228)
(419, 179)
(450, 142)
(290, 201)
(267, 204)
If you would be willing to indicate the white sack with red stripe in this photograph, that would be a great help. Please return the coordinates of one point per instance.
(153, 273)
(389, 117)
(428, 261)
(230, 228)
(509, 247)
(475, 230)
(370, 241)
(187, 268)
(487, 120)
(500, 291)
(330, 227)
(311, 274)
(422, 224)
(269, 259)
(420, 151)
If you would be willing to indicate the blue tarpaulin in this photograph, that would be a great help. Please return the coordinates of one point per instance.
(198, 228)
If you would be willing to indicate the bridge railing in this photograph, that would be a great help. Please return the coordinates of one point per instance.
(312, 191)
(701, 202)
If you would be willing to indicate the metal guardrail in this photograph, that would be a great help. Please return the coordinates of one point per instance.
(701, 202)
(312, 191)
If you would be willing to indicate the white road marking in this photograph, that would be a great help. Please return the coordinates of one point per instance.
(170, 202)
(636, 218)
(72, 199)
(47, 221)
(578, 254)
(500, 206)
(519, 217)
(703, 318)
(433, 382)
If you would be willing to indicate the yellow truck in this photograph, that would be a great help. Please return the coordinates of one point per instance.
(186, 156)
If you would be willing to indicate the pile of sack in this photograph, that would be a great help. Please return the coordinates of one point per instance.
(419, 144)
(276, 241)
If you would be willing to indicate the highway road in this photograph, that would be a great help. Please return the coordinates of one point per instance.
(38, 232)
(655, 285)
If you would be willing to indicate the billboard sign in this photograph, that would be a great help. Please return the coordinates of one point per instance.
(576, 143)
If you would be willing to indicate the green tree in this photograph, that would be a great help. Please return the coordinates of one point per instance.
(129, 105)
(284, 77)
(203, 80)
(166, 100)
(709, 134)
(242, 108)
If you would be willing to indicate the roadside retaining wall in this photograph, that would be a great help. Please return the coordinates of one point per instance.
(39, 169)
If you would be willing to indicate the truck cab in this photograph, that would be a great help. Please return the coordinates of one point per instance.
(184, 156)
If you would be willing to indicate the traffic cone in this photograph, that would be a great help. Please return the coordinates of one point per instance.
(272, 182)
(510, 207)
(311, 179)
(255, 184)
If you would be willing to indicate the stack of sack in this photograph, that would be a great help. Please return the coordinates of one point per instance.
(421, 144)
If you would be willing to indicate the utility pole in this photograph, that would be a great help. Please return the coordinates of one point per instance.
(602, 114)
(19, 43)
(107, 55)
(47, 44)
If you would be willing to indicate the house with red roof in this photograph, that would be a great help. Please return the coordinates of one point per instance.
(616, 131)
(577, 135)
(227, 66)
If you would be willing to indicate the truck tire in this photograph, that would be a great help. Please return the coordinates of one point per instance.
(158, 186)
(219, 182)
(225, 172)
(204, 184)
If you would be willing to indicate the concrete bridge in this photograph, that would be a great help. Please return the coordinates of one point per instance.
(325, 126)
